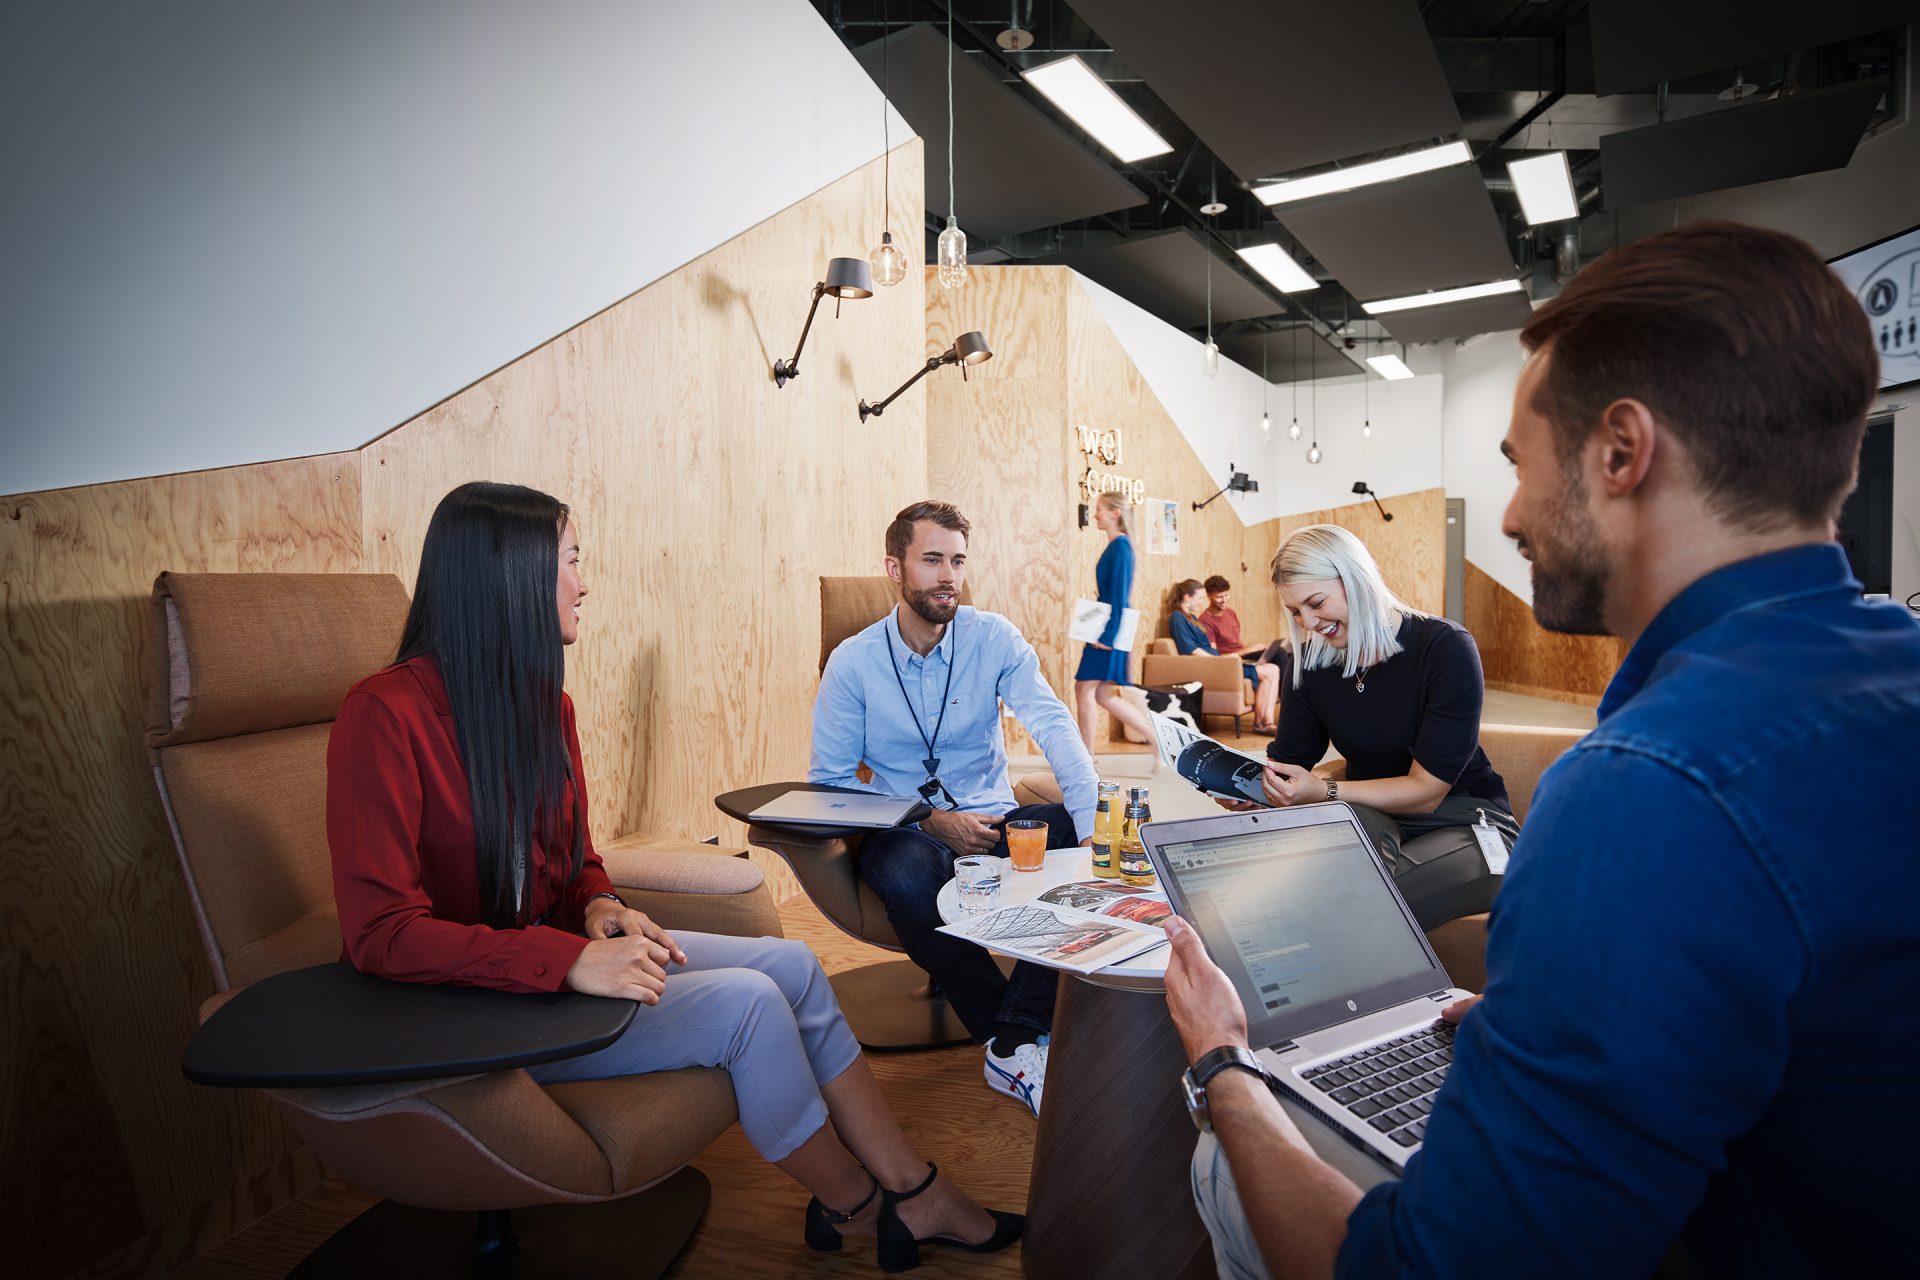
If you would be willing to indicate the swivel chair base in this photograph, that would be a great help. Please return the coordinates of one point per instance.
(891, 1006)
(635, 1236)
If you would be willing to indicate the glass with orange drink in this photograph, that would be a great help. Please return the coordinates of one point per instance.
(1027, 844)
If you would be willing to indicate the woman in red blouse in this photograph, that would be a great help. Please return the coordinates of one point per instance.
(441, 876)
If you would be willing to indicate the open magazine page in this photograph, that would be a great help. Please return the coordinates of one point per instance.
(1215, 769)
(1058, 937)
(1116, 901)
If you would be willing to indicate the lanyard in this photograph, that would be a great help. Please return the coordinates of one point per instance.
(932, 761)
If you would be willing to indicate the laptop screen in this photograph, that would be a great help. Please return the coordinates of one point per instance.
(1298, 913)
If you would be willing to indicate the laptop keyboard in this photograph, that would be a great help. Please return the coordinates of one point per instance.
(1390, 1085)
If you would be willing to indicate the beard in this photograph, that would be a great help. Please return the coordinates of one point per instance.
(921, 602)
(1569, 567)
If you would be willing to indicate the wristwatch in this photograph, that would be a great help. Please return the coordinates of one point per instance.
(1211, 1064)
(1333, 789)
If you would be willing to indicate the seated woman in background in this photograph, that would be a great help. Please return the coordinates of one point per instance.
(1187, 599)
(1398, 692)
(457, 820)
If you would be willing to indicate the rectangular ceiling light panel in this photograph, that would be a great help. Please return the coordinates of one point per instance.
(1545, 187)
(1440, 297)
(1364, 175)
(1278, 266)
(1070, 85)
(1392, 368)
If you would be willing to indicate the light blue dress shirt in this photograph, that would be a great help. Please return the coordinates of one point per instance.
(861, 715)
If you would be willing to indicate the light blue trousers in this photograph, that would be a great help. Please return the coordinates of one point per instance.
(759, 1007)
(1236, 1254)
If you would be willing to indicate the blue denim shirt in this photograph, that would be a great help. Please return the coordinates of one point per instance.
(1702, 1019)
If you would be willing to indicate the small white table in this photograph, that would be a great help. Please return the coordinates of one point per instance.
(1113, 1115)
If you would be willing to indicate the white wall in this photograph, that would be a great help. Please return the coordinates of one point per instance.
(1220, 417)
(237, 231)
(1480, 376)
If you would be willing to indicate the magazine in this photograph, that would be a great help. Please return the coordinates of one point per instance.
(1215, 769)
(1058, 937)
(1090, 619)
(1111, 899)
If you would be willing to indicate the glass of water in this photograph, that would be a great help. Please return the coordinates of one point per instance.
(977, 878)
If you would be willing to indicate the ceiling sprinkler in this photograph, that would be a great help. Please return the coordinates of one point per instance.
(1738, 89)
(1016, 38)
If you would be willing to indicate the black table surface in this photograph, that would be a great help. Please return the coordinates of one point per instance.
(739, 804)
(333, 1025)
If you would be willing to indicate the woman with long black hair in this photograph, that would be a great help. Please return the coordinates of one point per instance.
(457, 819)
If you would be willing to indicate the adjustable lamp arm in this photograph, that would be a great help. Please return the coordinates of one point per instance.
(1201, 506)
(933, 362)
(785, 370)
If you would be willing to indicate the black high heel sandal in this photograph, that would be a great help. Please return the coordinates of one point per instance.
(823, 1224)
(900, 1250)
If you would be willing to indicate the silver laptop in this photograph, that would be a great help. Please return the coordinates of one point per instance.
(834, 809)
(1343, 994)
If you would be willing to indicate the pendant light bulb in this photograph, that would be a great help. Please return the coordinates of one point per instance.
(1293, 429)
(1366, 435)
(1212, 357)
(1266, 425)
(888, 263)
(952, 254)
(1313, 455)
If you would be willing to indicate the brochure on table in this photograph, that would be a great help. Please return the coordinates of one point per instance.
(1214, 768)
(1082, 927)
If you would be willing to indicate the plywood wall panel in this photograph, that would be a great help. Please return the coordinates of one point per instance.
(103, 1137)
(1411, 550)
(1521, 656)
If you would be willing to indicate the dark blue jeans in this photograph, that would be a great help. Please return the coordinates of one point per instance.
(905, 867)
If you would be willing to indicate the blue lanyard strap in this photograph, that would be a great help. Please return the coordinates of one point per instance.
(932, 761)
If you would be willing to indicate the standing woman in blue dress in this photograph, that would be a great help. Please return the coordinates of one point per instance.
(1102, 666)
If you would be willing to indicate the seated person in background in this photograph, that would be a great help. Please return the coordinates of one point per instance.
(1699, 1019)
(916, 697)
(457, 820)
(1187, 599)
(1399, 693)
(1221, 623)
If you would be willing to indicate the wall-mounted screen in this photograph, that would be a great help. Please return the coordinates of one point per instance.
(1885, 276)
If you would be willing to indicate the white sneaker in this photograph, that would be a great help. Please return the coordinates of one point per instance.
(1021, 1074)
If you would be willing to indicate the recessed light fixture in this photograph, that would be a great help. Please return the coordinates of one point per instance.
(1390, 367)
(1070, 85)
(1364, 175)
(1441, 296)
(1277, 265)
(1545, 187)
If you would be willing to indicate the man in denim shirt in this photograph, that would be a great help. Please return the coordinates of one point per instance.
(1702, 1020)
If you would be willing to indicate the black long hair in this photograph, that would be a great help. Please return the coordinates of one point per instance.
(485, 607)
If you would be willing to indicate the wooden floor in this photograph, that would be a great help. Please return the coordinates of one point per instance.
(752, 1228)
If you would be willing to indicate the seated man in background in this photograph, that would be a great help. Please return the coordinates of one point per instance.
(1699, 1028)
(916, 696)
(1222, 624)
(1185, 606)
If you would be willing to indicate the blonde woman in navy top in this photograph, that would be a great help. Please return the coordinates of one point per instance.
(1103, 667)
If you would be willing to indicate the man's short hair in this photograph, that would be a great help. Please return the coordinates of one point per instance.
(1216, 584)
(944, 514)
(1741, 342)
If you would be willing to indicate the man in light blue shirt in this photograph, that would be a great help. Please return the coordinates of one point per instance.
(916, 697)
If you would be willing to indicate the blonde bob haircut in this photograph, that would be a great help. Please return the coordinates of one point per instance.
(1113, 500)
(1321, 553)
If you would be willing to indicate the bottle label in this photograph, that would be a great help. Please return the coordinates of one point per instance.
(1102, 855)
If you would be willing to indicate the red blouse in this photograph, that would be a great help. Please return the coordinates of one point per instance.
(400, 827)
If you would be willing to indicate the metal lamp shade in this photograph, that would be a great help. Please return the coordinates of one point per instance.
(972, 348)
(849, 278)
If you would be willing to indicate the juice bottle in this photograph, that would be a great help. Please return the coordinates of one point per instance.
(1106, 830)
(1135, 868)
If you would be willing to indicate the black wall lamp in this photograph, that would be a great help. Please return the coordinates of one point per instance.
(1360, 486)
(847, 278)
(968, 348)
(1237, 482)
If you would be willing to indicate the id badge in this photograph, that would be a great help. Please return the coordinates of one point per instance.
(1492, 847)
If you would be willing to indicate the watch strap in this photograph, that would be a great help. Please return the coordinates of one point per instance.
(1213, 1062)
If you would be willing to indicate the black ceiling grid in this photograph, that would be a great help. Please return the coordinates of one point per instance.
(1254, 89)
(1294, 353)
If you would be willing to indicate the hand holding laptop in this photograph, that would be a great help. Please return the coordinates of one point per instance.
(1206, 1009)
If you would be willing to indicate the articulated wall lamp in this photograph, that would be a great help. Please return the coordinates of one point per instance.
(1237, 482)
(847, 278)
(1360, 486)
(968, 348)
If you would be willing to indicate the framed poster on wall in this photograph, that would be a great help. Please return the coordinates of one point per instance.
(1162, 519)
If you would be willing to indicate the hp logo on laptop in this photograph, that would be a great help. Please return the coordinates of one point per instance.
(1351, 1005)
